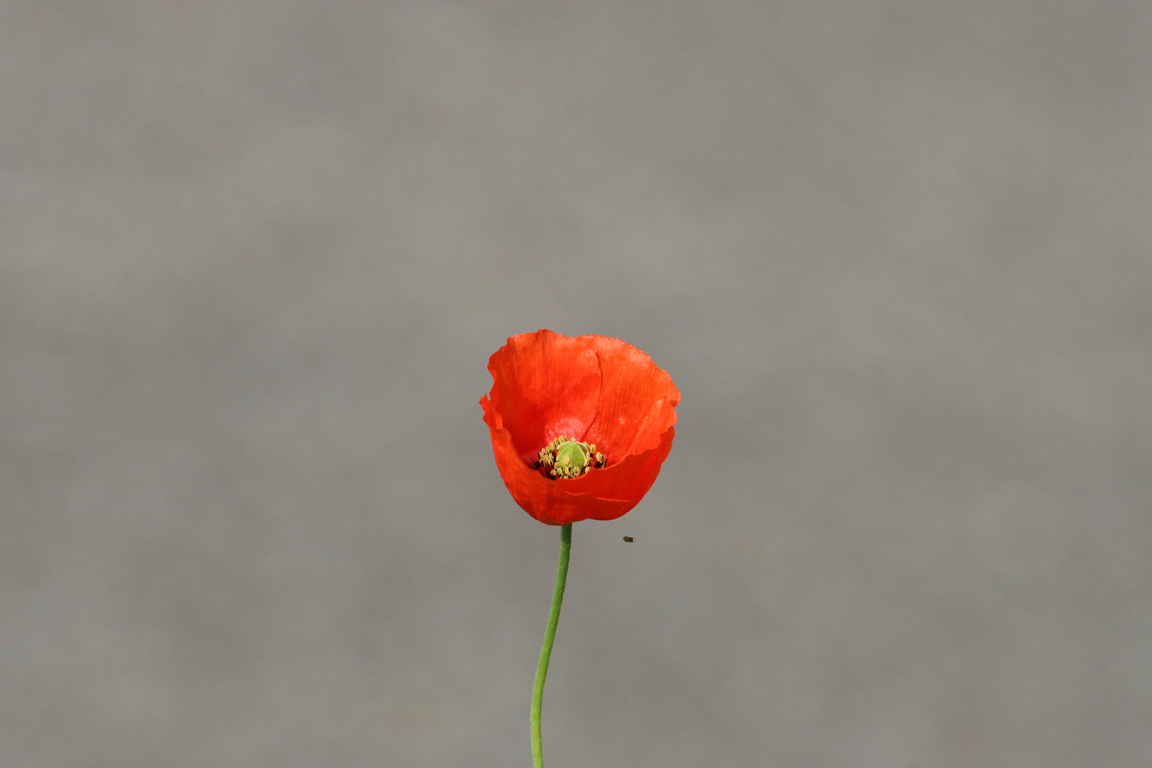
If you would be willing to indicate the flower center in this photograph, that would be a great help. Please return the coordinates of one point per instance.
(567, 457)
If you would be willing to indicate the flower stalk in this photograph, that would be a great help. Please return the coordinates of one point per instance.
(546, 648)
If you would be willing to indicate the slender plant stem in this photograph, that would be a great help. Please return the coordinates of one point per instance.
(546, 649)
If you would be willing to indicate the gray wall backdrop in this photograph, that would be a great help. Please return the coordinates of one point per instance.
(255, 256)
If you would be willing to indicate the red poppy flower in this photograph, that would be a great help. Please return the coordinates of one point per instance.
(579, 426)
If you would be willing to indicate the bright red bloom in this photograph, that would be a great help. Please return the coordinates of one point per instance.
(593, 389)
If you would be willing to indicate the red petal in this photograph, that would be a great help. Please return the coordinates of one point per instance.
(636, 400)
(545, 385)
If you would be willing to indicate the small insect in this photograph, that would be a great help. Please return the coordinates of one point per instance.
(629, 539)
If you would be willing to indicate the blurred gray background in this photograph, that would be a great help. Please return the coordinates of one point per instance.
(255, 256)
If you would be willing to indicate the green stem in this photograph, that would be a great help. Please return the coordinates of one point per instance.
(546, 649)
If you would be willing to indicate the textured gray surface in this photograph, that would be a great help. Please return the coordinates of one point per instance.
(897, 257)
